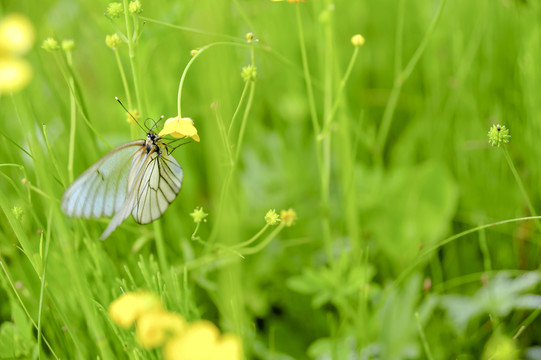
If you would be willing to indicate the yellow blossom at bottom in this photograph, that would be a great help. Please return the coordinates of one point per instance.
(202, 341)
(154, 328)
(129, 307)
(179, 128)
(14, 74)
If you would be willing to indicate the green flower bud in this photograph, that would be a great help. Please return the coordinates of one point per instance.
(68, 45)
(249, 73)
(498, 135)
(113, 41)
(115, 10)
(50, 44)
(135, 7)
(357, 40)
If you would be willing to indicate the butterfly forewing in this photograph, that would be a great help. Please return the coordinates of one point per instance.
(159, 184)
(101, 190)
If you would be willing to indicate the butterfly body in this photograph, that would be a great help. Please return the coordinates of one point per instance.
(140, 178)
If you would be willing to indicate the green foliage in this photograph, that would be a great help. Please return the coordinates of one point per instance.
(410, 236)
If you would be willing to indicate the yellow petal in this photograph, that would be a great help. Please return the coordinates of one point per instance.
(14, 74)
(179, 128)
(196, 343)
(129, 307)
(229, 347)
(16, 34)
(154, 328)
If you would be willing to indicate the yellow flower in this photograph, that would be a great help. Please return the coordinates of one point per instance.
(202, 341)
(288, 217)
(228, 347)
(179, 128)
(129, 307)
(154, 328)
(16, 38)
(113, 41)
(357, 40)
(14, 74)
(16, 34)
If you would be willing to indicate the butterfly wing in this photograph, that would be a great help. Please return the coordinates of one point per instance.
(101, 190)
(158, 184)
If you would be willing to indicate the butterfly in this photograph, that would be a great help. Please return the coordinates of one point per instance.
(140, 178)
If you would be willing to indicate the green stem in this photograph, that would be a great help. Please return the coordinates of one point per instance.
(160, 246)
(244, 121)
(252, 239)
(124, 80)
(131, 49)
(241, 101)
(199, 52)
(423, 254)
(43, 274)
(73, 115)
(400, 79)
(189, 29)
(307, 78)
(330, 118)
(520, 185)
(264, 243)
(423, 337)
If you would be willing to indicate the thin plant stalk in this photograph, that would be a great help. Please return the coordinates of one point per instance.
(520, 185)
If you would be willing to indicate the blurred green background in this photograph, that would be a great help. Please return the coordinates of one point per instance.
(360, 275)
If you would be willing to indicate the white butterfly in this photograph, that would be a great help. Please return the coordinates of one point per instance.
(140, 177)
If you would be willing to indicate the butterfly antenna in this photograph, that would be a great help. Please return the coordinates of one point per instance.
(133, 117)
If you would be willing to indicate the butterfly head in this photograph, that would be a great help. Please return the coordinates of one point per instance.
(153, 141)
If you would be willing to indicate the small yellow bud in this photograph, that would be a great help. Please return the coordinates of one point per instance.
(250, 37)
(68, 45)
(115, 10)
(288, 217)
(135, 7)
(272, 218)
(357, 40)
(50, 44)
(193, 52)
(113, 41)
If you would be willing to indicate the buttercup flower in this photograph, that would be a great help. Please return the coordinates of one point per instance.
(16, 38)
(16, 35)
(198, 215)
(179, 128)
(288, 217)
(50, 44)
(272, 218)
(129, 307)
(202, 340)
(249, 73)
(154, 328)
(15, 74)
